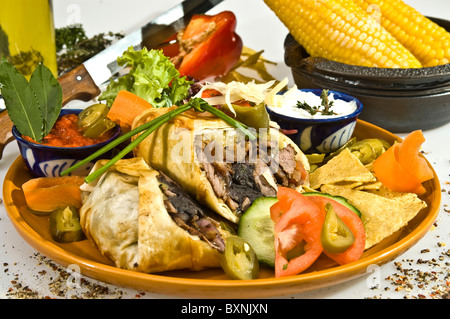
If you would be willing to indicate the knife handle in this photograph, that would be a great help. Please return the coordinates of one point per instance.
(77, 84)
(5, 131)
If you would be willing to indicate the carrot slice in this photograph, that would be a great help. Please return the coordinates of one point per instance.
(409, 159)
(389, 172)
(45, 194)
(125, 108)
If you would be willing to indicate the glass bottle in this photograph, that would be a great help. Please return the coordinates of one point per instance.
(27, 34)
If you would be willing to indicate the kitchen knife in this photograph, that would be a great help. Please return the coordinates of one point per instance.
(82, 83)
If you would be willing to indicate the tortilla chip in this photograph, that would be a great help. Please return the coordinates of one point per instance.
(369, 186)
(344, 167)
(382, 212)
(349, 184)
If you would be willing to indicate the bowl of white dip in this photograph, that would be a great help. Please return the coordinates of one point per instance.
(317, 120)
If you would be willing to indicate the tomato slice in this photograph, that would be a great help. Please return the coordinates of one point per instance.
(286, 197)
(298, 227)
(353, 221)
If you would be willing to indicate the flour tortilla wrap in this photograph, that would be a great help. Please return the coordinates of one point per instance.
(125, 215)
(173, 149)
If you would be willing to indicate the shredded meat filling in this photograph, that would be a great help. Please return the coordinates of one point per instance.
(189, 215)
(239, 183)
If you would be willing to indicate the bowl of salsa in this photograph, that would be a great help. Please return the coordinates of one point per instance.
(63, 147)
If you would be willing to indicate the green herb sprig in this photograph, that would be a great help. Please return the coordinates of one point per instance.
(73, 46)
(326, 104)
(149, 127)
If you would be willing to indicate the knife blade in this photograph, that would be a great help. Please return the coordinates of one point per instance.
(82, 83)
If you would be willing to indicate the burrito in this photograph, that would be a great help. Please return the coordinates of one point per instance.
(217, 164)
(143, 221)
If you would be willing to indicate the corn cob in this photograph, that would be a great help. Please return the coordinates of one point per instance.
(340, 30)
(429, 42)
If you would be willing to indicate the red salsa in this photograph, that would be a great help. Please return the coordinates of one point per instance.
(65, 133)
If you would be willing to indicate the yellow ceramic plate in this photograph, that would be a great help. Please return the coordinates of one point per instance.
(212, 283)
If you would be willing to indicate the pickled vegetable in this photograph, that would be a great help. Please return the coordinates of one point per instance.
(349, 143)
(315, 158)
(253, 116)
(336, 237)
(65, 225)
(93, 120)
(239, 260)
(369, 149)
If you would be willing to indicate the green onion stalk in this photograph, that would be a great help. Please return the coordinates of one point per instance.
(147, 129)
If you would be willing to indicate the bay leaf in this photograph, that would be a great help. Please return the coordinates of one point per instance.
(49, 95)
(21, 102)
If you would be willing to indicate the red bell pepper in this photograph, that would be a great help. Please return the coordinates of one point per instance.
(208, 47)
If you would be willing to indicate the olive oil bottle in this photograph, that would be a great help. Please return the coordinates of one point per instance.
(27, 34)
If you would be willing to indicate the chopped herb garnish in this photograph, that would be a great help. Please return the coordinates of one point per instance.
(326, 105)
(73, 46)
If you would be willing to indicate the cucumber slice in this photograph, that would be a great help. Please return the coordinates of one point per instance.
(339, 199)
(257, 229)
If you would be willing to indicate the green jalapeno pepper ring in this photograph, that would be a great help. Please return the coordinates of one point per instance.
(336, 237)
(239, 260)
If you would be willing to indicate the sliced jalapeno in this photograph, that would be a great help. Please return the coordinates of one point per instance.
(93, 120)
(369, 149)
(315, 158)
(364, 152)
(349, 143)
(239, 261)
(65, 225)
(253, 116)
(91, 114)
(99, 128)
(336, 237)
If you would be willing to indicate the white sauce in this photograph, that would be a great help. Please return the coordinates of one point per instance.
(286, 104)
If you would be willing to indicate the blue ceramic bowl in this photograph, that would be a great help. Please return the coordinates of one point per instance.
(50, 161)
(319, 135)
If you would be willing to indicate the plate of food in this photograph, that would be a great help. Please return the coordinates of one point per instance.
(212, 283)
(163, 218)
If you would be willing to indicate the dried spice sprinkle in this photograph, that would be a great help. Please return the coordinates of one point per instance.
(418, 283)
(59, 286)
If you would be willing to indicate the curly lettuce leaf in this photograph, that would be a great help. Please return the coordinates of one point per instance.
(152, 76)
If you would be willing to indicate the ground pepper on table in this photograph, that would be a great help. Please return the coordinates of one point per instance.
(422, 278)
(57, 285)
